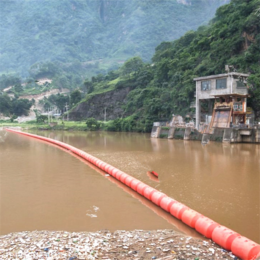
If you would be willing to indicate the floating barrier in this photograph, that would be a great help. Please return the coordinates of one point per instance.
(205, 226)
(245, 248)
(223, 236)
(190, 217)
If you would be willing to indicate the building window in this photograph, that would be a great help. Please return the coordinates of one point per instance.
(205, 85)
(241, 84)
(238, 106)
(221, 83)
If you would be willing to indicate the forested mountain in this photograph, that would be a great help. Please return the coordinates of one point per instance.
(81, 33)
(139, 92)
(155, 91)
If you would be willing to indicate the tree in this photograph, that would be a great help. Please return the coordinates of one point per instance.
(75, 97)
(42, 119)
(132, 65)
(61, 101)
(5, 104)
(41, 69)
(18, 88)
(21, 107)
(88, 86)
(9, 80)
(92, 124)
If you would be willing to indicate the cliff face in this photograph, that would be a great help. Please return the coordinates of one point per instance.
(109, 102)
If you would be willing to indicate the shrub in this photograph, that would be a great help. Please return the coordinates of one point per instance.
(93, 124)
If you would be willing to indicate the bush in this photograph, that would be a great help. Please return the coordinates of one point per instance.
(93, 124)
(42, 119)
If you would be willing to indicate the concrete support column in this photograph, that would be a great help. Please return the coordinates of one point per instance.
(171, 133)
(198, 109)
(187, 133)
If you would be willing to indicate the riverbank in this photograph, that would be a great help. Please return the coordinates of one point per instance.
(137, 244)
(57, 125)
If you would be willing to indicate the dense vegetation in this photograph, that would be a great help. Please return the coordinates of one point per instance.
(166, 86)
(60, 102)
(91, 36)
(14, 107)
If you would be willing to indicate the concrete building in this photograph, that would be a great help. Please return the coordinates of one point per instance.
(221, 100)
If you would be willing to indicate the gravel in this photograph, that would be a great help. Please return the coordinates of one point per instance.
(136, 244)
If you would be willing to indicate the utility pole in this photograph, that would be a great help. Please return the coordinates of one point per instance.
(67, 109)
(48, 115)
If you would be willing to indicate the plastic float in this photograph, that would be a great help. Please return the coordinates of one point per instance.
(155, 174)
(240, 246)
(152, 176)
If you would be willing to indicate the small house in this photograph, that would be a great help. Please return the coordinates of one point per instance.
(221, 100)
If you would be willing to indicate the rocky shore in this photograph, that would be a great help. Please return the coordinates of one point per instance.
(137, 244)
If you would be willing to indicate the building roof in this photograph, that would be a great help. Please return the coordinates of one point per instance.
(222, 76)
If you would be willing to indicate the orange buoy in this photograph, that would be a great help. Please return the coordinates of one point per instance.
(190, 217)
(114, 171)
(134, 184)
(205, 226)
(110, 169)
(148, 192)
(166, 203)
(157, 196)
(141, 187)
(106, 167)
(177, 209)
(118, 175)
(123, 177)
(224, 236)
(102, 165)
(128, 180)
(245, 248)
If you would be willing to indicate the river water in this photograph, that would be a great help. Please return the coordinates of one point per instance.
(45, 188)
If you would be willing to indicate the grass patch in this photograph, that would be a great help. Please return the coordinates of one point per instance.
(61, 125)
(165, 128)
(114, 82)
(163, 136)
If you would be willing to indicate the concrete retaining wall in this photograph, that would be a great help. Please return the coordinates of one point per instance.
(179, 133)
(229, 135)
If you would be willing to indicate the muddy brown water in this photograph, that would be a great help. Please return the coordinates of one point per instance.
(45, 188)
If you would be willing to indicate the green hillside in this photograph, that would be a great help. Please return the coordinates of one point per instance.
(166, 86)
(92, 34)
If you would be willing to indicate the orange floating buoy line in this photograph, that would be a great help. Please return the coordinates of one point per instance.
(240, 246)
